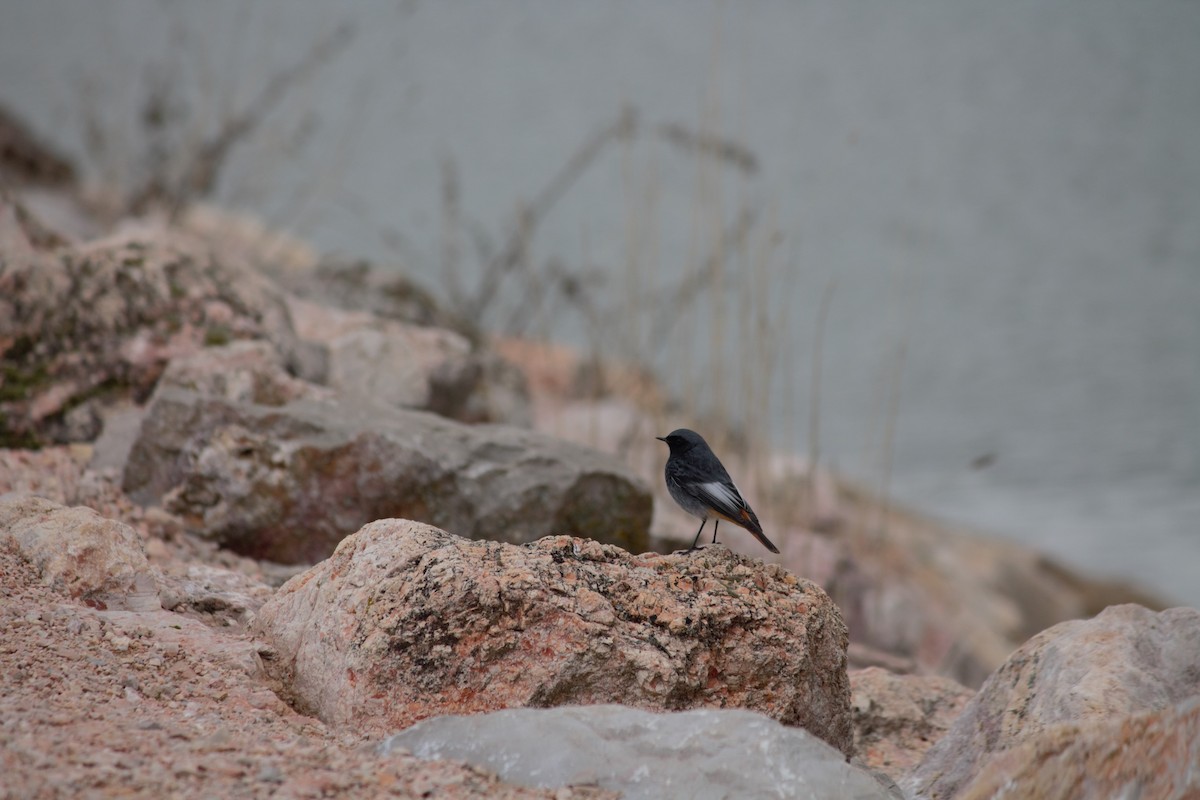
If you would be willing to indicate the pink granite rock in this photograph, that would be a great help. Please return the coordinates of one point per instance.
(898, 717)
(405, 621)
(79, 553)
(1086, 673)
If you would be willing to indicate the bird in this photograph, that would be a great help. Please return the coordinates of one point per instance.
(700, 485)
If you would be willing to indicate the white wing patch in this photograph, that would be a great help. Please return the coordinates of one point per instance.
(725, 497)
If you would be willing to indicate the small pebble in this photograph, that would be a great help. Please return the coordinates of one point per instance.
(270, 774)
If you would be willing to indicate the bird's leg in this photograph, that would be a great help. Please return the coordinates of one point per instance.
(716, 522)
(703, 522)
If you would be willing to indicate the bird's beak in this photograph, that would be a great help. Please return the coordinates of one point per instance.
(661, 438)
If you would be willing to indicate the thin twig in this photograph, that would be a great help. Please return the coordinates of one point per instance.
(511, 256)
(814, 413)
(684, 294)
(206, 161)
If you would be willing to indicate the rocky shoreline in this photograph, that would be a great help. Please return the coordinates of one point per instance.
(258, 512)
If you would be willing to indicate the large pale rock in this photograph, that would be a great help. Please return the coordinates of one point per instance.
(898, 717)
(80, 553)
(1150, 755)
(1085, 672)
(84, 325)
(706, 754)
(288, 483)
(405, 621)
(413, 366)
(250, 371)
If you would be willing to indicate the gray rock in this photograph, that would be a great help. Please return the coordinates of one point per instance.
(287, 483)
(249, 371)
(707, 753)
(481, 387)
(216, 596)
(1087, 673)
(413, 366)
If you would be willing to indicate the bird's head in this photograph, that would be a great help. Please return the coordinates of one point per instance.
(682, 440)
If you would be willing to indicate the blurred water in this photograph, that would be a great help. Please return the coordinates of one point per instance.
(1006, 193)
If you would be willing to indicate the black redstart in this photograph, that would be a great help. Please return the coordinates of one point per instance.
(702, 487)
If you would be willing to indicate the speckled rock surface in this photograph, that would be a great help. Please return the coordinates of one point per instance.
(1086, 673)
(1150, 755)
(98, 703)
(249, 371)
(83, 325)
(413, 366)
(78, 552)
(898, 717)
(406, 621)
(289, 482)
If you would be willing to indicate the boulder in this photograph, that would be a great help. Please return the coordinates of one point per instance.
(249, 371)
(406, 621)
(1153, 754)
(1087, 673)
(898, 717)
(79, 553)
(705, 754)
(288, 483)
(413, 366)
(83, 325)
(97, 703)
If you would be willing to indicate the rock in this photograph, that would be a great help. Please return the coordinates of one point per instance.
(241, 372)
(288, 483)
(481, 387)
(412, 366)
(1151, 755)
(111, 703)
(1085, 672)
(405, 622)
(214, 595)
(53, 473)
(79, 553)
(706, 753)
(898, 717)
(84, 325)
